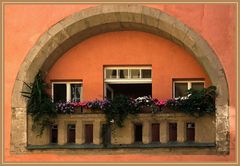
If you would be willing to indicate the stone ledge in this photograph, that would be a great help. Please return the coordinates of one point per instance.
(94, 146)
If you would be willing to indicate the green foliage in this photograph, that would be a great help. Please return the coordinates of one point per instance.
(196, 103)
(118, 109)
(40, 105)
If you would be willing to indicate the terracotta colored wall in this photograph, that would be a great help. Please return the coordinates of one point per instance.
(86, 60)
(23, 24)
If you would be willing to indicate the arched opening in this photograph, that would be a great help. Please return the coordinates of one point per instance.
(76, 28)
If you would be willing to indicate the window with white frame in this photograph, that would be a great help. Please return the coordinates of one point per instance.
(66, 91)
(180, 87)
(131, 74)
(133, 81)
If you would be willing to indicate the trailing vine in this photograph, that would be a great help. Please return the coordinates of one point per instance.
(39, 104)
(117, 110)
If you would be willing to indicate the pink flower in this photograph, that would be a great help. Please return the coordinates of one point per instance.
(160, 102)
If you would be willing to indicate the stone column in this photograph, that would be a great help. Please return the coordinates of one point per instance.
(79, 132)
(146, 132)
(62, 132)
(19, 130)
(97, 132)
(181, 131)
(164, 132)
(131, 125)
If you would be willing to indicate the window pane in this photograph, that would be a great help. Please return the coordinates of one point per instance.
(75, 92)
(111, 73)
(135, 73)
(180, 89)
(146, 73)
(123, 73)
(59, 92)
(197, 85)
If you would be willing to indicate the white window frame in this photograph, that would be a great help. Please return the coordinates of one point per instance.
(68, 89)
(128, 80)
(189, 83)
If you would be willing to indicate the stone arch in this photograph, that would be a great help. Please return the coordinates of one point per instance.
(105, 18)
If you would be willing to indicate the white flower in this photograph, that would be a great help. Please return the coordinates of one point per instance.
(177, 98)
(112, 121)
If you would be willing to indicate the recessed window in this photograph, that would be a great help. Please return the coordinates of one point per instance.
(88, 133)
(180, 87)
(66, 91)
(172, 132)
(54, 134)
(71, 133)
(138, 133)
(190, 132)
(155, 132)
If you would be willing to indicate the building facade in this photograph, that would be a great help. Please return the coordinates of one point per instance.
(135, 50)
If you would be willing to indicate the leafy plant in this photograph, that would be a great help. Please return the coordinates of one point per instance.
(196, 103)
(117, 110)
(39, 106)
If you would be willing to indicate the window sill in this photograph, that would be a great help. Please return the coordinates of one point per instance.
(137, 145)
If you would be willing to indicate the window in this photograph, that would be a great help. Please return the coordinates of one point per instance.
(172, 132)
(127, 73)
(180, 87)
(67, 91)
(155, 132)
(190, 127)
(130, 81)
(54, 134)
(138, 133)
(71, 133)
(88, 133)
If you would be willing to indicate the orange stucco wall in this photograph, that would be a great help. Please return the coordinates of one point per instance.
(23, 24)
(86, 61)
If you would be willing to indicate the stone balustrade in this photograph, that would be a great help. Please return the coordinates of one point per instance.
(204, 129)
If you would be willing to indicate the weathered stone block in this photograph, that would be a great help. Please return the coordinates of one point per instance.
(18, 130)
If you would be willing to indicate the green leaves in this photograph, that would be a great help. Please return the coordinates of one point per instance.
(118, 109)
(40, 105)
(196, 103)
